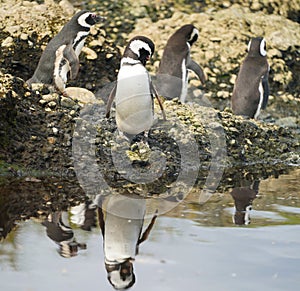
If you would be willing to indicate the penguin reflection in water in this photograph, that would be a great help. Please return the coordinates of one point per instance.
(243, 198)
(121, 219)
(134, 90)
(176, 62)
(60, 61)
(59, 231)
(251, 89)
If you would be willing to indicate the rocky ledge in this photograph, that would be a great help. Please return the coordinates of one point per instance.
(38, 128)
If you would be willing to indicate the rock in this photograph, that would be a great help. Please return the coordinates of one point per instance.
(83, 95)
(50, 97)
(67, 7)
(7, 42)
(67, 102)
(90, 54)
(287, 122)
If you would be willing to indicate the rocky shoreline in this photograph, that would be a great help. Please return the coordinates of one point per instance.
(37, 126)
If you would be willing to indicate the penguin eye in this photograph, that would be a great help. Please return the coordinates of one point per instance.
(249, 208)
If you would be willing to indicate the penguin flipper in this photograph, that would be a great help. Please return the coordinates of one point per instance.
(73, 60)
(265, 86)
(154, 91)
(110, 101)
(192, 65)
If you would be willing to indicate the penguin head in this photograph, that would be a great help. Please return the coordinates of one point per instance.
(257, 47)
(189, 32)
(121, 276)
(86, 18)
(139, 48)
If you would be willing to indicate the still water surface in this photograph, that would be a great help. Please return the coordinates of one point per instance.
(192, 247)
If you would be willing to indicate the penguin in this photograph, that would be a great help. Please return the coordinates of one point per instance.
(60, 58)
(172, 78)
(243, 199)
(59, 230)
(121, 220)
(134, 91)
(251, 89)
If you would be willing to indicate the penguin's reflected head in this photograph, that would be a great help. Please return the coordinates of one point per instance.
(140, 48)
(121, 276)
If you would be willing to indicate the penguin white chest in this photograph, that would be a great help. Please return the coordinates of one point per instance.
(61, 69)
(184, 81)
(261, 98)
(134, 108)
(78, 42)
(122, 231)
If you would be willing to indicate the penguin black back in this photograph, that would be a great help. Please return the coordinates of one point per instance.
(251, 89)
(175, 63)
(177, 49)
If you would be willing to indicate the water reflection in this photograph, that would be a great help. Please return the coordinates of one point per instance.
(116, 225)
(121, 220)
(243, 198)
(59, 230)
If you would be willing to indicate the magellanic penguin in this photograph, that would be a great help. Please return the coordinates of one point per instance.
(251, 89)
(60, 58)
(243, 198)
(134, 90)
(172, 78)
(121, 220)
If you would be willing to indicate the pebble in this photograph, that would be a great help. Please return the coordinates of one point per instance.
(50, 97)
(232, 79)
(109, 56)
(54, 130)
(90, 54)
(52, 104)
(51, 140)
(37, 86)
(223, 94)
(9, 41)
(67, 102)
(97, 42)
(24, 36)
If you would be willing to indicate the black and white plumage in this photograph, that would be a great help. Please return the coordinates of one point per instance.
(243, 199)
(60, 58)
(251, 89)
(134, 91)
(172, 78)
(121, 220)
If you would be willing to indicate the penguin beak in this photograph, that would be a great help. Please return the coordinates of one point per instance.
(98, 18)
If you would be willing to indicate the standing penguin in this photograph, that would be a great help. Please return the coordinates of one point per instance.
(251, 89)
(60, 57)
(134, 90)
(175, 63)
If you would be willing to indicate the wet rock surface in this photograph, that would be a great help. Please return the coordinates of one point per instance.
(38, 128)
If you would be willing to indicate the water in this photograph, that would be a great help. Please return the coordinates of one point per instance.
(193, 246)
